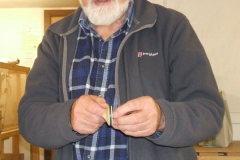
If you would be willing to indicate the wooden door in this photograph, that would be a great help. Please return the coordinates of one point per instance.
(51, 16)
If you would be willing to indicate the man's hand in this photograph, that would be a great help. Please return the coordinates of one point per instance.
(139, 117)
(86, 114)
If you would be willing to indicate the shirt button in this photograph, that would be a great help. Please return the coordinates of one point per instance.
(89, 157)
(103, 66)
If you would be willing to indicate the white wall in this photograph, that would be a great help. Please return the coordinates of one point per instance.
(14, 25)
(216, 22)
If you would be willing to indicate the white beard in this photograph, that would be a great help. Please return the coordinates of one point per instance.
(105, 14)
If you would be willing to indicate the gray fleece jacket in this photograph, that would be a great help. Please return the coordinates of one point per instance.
(160, 57)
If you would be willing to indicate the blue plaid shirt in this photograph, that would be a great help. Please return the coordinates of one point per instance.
(92, 73)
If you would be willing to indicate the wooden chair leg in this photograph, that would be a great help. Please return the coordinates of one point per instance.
(34, 154)
(1, 148)
(1, 140)
(48, 154)
(15, 147)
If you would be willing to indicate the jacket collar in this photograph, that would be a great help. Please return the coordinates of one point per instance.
(145, 14)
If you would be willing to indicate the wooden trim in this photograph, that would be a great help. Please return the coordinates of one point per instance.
(10, 133)
(14, 67)
(48, 14)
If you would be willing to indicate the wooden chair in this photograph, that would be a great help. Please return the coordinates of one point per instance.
(12, 86)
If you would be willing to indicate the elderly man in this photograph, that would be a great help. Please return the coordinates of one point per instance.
(140, 59)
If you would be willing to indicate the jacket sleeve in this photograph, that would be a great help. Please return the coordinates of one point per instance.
(194, 110)
(43, 118)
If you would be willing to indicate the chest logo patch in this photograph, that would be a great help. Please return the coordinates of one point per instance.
(141, 54)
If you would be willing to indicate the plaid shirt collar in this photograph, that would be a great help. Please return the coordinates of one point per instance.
(86, 25)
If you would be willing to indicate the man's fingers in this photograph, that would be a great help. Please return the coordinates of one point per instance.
(93, 104)
(139, 130)
(86, 113)
(143, 133)
(100, 101)
(87, 123)
(126, 109)
(130, 118)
